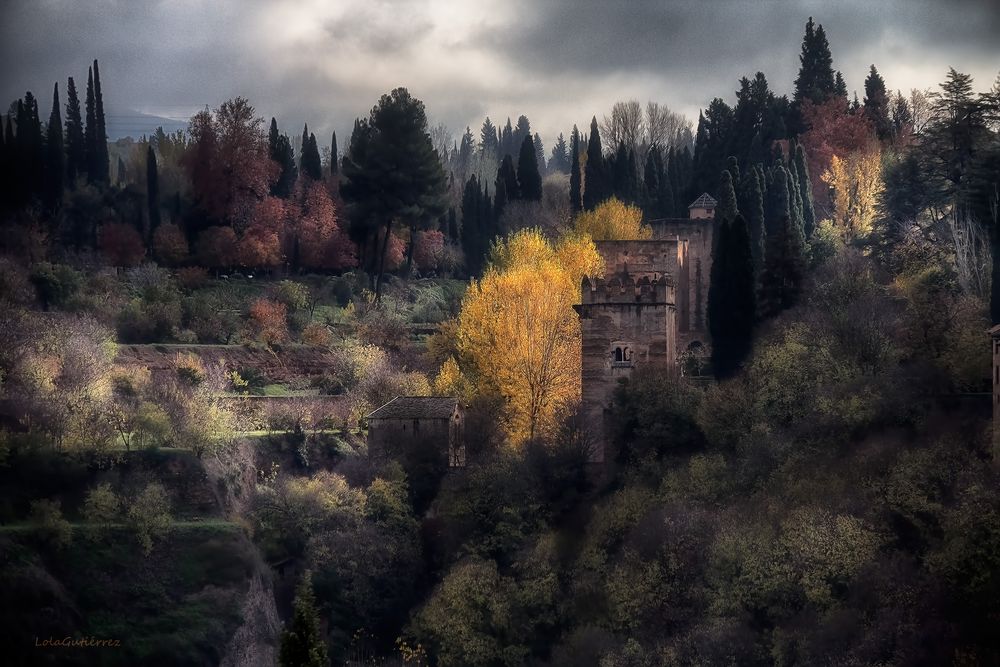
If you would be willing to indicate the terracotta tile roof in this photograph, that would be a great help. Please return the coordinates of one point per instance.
(704, 201)
(416, 407)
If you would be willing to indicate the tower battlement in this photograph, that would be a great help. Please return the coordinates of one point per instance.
(623, 289)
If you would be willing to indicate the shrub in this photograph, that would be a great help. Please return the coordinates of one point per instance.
(56, 283)
(192, 277)
(50, 525)
(317, 335)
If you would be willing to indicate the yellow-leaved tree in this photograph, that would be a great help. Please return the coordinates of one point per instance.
(857, 185)
(613, 220)
(518, 329)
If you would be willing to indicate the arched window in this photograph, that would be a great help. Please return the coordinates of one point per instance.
(619, 355)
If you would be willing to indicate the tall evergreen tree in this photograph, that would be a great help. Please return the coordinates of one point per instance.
(784, 268)
(152, 190)
(596, 178)
(805, 187)
(840, 87)
(575, 192)
(488, 138)
(508, 176)
(309, 161)
(280, 148)
(55, 159)
(726, 209)
(102, 157)
(877, 104)
(732, 305)
(334, 156)
(30, 148)
(452, 224)
(754, 209)
(471, 228)
(539, 154)
(651, 184)
(816, 80)
(529, 181)
(75, 148)
(90, 132)
(507, 145)
(302, 643)
(665, 194)
(559, 162)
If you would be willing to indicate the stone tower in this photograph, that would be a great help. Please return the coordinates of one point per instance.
(628, 320)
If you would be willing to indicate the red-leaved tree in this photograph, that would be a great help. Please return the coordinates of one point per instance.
(217, 247)
(170, 244)
(832, 130)
(121, 244)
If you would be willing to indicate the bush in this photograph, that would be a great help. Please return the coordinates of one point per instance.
(56, 283)
(192, 277)
(51, 527)
(317, 335)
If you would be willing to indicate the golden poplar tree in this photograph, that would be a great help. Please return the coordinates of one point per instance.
(857, 185)
(519, 331)
(613, 220)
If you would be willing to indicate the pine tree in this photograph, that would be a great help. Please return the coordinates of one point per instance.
(840, 86)
(529, 181)
(302, 644)
(334, 156)
(55, 160)
(808, 212)
(732, 305)
(575, 200)
(539, 154)
(102, 159)
(559, 161)
(488, 138)
(507, 145)
(877, 104)
(596, 177)
(75, 147)
(816, 81)
(152, 190)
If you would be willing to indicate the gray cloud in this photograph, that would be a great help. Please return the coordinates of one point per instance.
(557, 62)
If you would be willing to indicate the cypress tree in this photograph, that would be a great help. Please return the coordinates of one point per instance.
(784, 268)
(651, 184)
(507, 174)
(152, 190)
(55, 160)
(309, 162)
(30, 148)
(500, 198)
(90, 132)
(507, 146)
(471, 231)
(302, 644)
(665, 195)
(333, 155)
(529, 181)
(777, 207)
(805, 187)
(733, 167)
(121, 172)
(732, 302)
(596, 181)
(575, 200)
(75, 148)
(102, 159)
(726, 209)
(452, 224)
(280, 148)
(755, 211)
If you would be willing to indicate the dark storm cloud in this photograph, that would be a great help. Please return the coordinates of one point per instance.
(558, 62)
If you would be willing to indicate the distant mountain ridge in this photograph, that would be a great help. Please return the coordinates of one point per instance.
(123, 123)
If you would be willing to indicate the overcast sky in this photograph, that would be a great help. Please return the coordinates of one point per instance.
(558, 62)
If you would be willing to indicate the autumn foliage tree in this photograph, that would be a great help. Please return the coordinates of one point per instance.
(170, 244)
(268, 321)
(856, 182)
(518, 328)
(831, 131)
(229, 162)
(613, 220)
(121, 244)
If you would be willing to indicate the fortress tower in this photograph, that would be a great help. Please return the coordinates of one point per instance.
(628, 320)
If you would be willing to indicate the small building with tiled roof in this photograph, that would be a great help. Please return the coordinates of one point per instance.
(702, 207)
(411, 421)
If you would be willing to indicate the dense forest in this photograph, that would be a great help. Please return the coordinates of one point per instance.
(195, 325)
